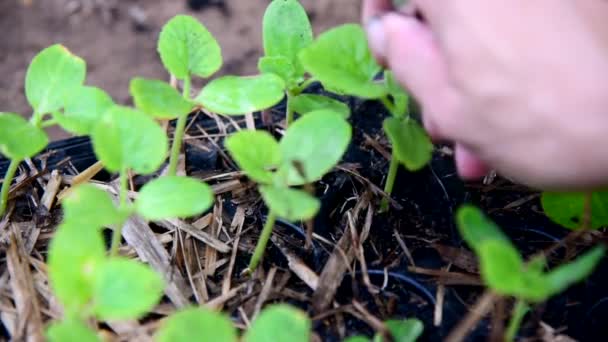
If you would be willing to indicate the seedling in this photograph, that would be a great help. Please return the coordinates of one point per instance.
(311, 147)
(503, 269)
(569, 209)
(341, 60)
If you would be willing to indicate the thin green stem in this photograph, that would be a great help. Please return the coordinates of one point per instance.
(260, 248)
(178, 134)
(289, 115)
(519, 311)
(123, 193)
(6, 184)
(48, 123)
(305, 85)
(389, 105)
(390, 181)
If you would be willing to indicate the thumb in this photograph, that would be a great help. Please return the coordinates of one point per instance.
(468, 164)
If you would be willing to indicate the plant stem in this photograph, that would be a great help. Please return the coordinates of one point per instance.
(260, 248)
(389, 105)
(289, 115)
(123, 193)
(390, 181)
(178, 134)
(305, 84)
(6, 184)
(519, 311)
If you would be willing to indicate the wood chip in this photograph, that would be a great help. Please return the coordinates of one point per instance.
(202, 236)
(297, 266)
(50, 191)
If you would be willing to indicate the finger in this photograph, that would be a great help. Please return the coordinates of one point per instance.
(375, 8)
(469, 166)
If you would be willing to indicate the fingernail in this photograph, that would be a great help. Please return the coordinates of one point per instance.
(375, 36)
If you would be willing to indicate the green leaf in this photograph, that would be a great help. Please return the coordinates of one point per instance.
(405, 330)
(186, 48)
(400, 97)
(84, 110)
(567, 208)
(357, 339)
(52, 77)
(313, 145)
(306, 103)
(126, 138)
(289, 204)
(173, 197)
(412, 146)
(18, 138)
(501, 266)
(71, 331)
(256, 152)
(280, 66)
(75, 255)
(286, 31)
(476, 228)
(197, 324)
(340, 58)
(566, 275)
(159, 99)
(125, 289)
(280, 323)
(232, 95)
(87, 205)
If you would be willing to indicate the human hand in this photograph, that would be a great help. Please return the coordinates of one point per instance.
(517, 85)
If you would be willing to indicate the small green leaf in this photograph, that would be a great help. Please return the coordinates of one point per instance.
(280, 323)
(186, 48)
(566, 275)
(18, 138)
(567, 208)
(286, 31)
(476, 228)
(340, 58)
(52, 77)
(408, 330)
(289, 204)
(400, 97)
(83, 110)
(412, 146)
(501, 266)
(75, 255)
(280, 66)
(256, 152)
(126, 138)
(357, 339)
(87, 205)
(125, 289)
(159, 99)
(173, 197)
(313, 145)
(231, 95)
(306, 103)
(197, 324)
(71, 331)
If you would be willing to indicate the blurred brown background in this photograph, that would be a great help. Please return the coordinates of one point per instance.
(117, 38)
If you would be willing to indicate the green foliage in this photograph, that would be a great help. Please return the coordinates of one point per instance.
(51, 77)
(83, 110)
(306, 103)
(232, 95)
(280, 66)
(341, 60)
(173, 197)
(286, 31)
(476, 228)
(90, 206)
(566, 275)
(125, 289)
(402, 330)
(18, 138)
(400, 97)
(187, 48)
(128, 139)
(567, 208)
(357, 339)
(280, 323)
(411, 145)
(71, 331)
(159, 99)
(256, 152)
(196, 324)
(290, 204)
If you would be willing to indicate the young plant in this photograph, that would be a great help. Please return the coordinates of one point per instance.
(311, 147)
(341, 60)
(503, 269)
(287, 31)
(408, 330)
(569, 209)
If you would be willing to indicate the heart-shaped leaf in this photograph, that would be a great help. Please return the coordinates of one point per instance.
(125, 289)
(87, 205)
(231, 95)
(280, 323)
(84, 110)
(313, 145)
(197, 324)
(567, 208)
(186, 48)
(173, 197)
(286, 31)
(159, 99)
(75, 255)
(18, 138)
(411, 145)
(289, 204)
(278, 65)
(306, 103)
(340, 58)
(408, 330)
(256, 152)
(51, 78)
(126, 138)
(71, 331)
(564, 276)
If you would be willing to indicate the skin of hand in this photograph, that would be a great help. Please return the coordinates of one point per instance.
(519, 85)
